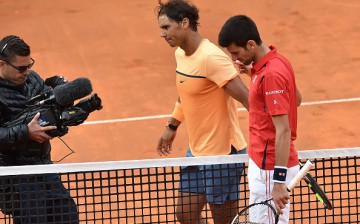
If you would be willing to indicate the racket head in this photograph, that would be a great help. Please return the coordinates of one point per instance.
(318, 191)
(261, 212)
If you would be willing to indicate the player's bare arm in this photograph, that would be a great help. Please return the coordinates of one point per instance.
(164, 146)
(282, 151)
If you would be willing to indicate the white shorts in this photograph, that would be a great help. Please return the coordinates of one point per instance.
(261, 184)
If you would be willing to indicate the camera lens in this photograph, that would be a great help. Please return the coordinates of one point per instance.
(90, 104)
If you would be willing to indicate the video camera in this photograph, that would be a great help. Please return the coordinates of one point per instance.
(56, 108)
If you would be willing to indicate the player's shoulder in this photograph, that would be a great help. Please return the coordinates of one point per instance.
(211, 48)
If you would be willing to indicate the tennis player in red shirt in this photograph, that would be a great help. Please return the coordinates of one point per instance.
(273, 101)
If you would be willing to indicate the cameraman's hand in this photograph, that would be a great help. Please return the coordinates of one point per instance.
(56, 81)
(37, 132)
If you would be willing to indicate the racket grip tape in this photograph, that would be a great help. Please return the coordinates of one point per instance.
(303, 171)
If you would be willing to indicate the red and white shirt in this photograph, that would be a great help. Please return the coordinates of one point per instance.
(272, 92)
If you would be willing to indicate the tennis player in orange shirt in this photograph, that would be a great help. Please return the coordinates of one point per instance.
(209, 87)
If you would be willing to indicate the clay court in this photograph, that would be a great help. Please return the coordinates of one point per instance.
(117, 45)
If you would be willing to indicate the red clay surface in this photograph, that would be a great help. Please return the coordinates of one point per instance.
(117, 45)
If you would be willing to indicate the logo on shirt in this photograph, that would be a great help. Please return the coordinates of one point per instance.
(254, 79)
(181, 81)
(275, 92)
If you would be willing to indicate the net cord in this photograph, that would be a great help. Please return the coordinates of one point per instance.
(163, 162)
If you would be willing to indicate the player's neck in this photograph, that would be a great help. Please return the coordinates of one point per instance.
(192, 43)
(261, 51)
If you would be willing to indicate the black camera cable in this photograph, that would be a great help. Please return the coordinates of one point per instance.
(70, 153)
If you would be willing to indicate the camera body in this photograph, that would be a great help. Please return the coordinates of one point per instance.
(50, 117)
(55, 115)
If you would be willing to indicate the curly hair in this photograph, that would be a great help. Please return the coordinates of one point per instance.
(177, 10)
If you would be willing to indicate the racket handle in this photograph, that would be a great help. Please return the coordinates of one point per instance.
(303, 171)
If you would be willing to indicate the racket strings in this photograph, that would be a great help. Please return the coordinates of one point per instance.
(261, 213)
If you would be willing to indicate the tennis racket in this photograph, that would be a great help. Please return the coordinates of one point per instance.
(264, 212)
(315, 187)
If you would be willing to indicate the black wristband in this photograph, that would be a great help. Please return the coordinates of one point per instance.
(171, 126)
(280, 174)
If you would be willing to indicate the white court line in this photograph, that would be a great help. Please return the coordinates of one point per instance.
(239, 109)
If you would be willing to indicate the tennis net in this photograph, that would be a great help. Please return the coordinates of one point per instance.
(146, 191)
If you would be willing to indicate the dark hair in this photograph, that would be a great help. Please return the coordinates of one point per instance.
(13, 45)
(177, 10)
(239, 30)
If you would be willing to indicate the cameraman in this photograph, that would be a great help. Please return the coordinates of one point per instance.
(33, 199)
